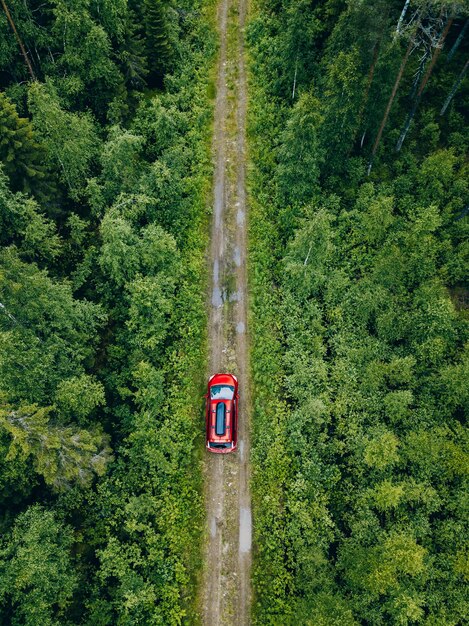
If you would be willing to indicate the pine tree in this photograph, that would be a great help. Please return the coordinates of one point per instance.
(158, 46)
(22, 156)
(132, 54)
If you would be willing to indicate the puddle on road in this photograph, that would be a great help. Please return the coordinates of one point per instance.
(236, 296)
(237, 256)
(213, 526)
(240, 328)
(218, 201)
(240, 217)
(245, 530)
(216, 272)
(217, 297)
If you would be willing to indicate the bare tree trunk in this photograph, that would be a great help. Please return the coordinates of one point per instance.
(436, 54)
(423, 84)
(9, 315)
(402, 16)
(389, 105)
(419, 75)
(294, 79)
(18, 39)
(371, 72)
(454, 88)
(456, 44)
(408, 121)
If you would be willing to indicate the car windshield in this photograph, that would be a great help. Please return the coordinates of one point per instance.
(222, 392)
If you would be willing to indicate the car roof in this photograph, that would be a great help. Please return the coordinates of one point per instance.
(221, 420)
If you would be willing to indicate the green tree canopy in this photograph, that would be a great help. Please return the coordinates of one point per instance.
(37, 577)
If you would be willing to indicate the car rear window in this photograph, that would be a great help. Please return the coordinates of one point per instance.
(222, 392)
(220, 424)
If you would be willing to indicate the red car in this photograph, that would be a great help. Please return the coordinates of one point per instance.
(222, 413)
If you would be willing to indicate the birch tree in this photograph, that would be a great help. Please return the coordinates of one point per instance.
(454, 88)
(424, 82)
(70, 139)
(458, 41)
(397, 81)
(401, 17)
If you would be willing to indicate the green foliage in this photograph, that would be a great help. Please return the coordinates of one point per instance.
(121, 162)
(157, 39)
(343, 85)
(62, 455)
(47, 335)
(17, 480)
(125, 254)
(381, 450)
(77, 397)
(20, 153)
(22, 222)
(131, 53)
(69, 139)
(378, 570)
(359, 327)
(299, 155)
(102, 309)
(308, 256)
(85, 64)
(37, 577)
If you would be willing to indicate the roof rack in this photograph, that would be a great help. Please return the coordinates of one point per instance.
(220, 423)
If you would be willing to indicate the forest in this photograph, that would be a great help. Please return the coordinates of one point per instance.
(105, 125)
(359, 309)
(359, 259)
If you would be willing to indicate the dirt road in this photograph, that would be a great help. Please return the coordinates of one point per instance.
(226, 588)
